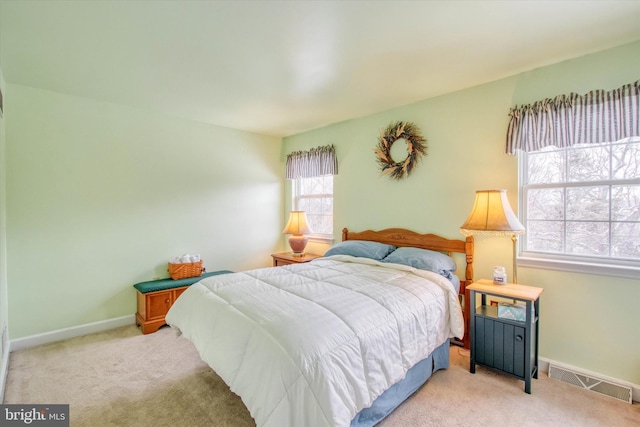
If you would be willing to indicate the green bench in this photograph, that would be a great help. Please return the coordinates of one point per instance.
(156, 297)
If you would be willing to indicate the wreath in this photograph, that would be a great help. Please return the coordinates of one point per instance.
(416, 147)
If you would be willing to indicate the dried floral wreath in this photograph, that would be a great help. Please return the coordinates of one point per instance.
(416, 147)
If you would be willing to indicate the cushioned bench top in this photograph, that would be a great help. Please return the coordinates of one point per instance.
(162, 284)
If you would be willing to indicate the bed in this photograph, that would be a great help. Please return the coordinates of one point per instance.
(339, 341)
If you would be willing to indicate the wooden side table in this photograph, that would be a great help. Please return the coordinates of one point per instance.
(286, 258)
(507, 345)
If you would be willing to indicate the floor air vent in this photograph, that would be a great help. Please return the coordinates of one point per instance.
(588, 382)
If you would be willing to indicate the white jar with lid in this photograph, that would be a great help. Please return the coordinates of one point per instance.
(499, 275)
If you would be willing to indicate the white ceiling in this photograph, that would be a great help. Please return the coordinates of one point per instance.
(284, 67)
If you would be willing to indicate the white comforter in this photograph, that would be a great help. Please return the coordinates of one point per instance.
(313, 344)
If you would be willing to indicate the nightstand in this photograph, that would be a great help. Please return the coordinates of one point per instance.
(286, 258)
(506, 345)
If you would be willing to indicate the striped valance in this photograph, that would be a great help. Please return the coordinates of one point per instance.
(315, 162)
(565, 120)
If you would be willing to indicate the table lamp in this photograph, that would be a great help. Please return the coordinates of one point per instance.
(492, 215)
(297, 227)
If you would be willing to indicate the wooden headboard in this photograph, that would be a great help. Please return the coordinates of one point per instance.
(402, 237)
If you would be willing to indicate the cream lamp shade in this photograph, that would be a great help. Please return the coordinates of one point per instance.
(297, 226)
(492, 215)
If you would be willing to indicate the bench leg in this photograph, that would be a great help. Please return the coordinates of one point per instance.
(151, 326)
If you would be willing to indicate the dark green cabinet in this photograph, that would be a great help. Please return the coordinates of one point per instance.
(505, 345)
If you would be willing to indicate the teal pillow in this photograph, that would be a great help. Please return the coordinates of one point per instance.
(361, 248)
(423, 259)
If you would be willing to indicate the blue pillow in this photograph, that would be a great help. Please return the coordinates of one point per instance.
(361, 248)
(456, 282)
(423, 259)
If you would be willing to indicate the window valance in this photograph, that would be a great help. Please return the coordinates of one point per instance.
(317, 161)
(566, 120)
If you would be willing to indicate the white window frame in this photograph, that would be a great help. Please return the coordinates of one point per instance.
(609, 266)
(296, 196)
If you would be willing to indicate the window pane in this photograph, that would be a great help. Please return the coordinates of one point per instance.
(546, 166)
(316, 186)
(327, 184)
(303, 205)
(315, 197)
(625, 203)
(315, 223)
(588, 164)
(315, 206)
(325, 224)
(545, 236)
(546, 203)
(625, 160)
(588, 238)
(593, 210)
(625, 240)
(307, 186)
(327, 205)
(588, 203)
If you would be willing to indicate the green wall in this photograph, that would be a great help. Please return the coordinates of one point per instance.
(4, 312)
(100, 196)
(587, 321)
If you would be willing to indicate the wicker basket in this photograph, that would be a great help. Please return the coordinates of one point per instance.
(188, 269)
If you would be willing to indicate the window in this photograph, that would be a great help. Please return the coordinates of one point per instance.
(581, 206)
(580, 181)
(311, 174)
(314, 195)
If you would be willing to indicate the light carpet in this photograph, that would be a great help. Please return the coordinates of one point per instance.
(123, 378)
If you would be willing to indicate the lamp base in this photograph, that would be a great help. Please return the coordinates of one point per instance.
(298, 243)
(514, 239)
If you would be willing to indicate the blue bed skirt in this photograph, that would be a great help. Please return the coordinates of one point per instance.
(400, 391)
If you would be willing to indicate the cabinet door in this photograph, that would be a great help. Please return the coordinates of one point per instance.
(518, 351)
(499, 345)
(514, 337)
(178, 292)
(158, 304)
(483, 331)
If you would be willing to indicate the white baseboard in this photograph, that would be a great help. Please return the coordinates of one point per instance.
(4, 369)
(74, 331)
(544, 367)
